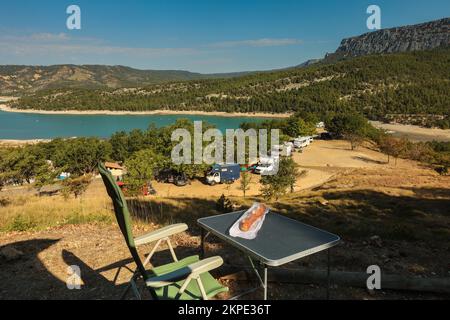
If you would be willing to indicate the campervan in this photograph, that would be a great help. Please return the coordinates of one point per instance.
(223, 173)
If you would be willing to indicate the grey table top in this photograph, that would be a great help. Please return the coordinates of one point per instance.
(280, 240)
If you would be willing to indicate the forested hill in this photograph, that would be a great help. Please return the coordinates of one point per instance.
(16, 80)
(401, 86)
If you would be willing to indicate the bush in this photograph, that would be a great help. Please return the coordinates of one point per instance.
(76, 186)
(224, 205)
(21, 224)
(77, 218)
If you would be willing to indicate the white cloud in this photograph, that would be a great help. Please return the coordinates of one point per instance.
(50, 37)
(265, 42)
(59, 48)
(62, 44)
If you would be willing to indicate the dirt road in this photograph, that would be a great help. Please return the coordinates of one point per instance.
(319, 163)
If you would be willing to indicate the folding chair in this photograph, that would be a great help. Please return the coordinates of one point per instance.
(186, 279)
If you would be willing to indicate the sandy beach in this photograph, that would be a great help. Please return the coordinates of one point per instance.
(6, 108)
(17, 143)
(414, 133)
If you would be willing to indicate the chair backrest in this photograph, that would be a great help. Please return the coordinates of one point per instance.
(122, 214)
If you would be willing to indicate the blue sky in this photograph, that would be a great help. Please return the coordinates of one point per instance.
(205, 36)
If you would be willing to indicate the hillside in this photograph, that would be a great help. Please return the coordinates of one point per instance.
(412, 87)
(15, 80)
(425, 36)
(18, 80)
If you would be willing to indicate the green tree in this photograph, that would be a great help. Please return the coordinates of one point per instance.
(296, 127)
(23, 164)
(141, 167)
(246, 179)
(119, 146)
(81, 155)
(275, 186)
(351, 126)
(392, 147)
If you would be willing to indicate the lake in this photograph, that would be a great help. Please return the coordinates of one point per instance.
(25, 126)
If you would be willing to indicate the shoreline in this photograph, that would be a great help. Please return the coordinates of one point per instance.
(5, 108)
(414, 133)
(19, 142)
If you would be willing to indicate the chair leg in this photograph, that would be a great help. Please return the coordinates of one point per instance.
(202, 289)
(172, 252)
(130, 285)
(135, 289)
(132, 280)
(124, 293)
(183, 287)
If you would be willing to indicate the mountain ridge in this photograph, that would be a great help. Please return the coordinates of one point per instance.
(418, 37)
(17, 79)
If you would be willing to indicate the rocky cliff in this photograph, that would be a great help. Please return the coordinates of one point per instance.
(425, 36)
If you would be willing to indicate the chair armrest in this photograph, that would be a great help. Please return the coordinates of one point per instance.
(191, 271)
(160, 234)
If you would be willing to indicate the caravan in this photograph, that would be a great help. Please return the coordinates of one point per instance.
(302, 142)
(284, 150)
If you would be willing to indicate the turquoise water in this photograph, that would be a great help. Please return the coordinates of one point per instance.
(45, 126)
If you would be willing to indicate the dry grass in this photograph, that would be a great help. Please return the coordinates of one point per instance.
(31, 212)
(406, 207)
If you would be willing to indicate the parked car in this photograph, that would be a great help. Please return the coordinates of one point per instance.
(248, 167)
(226, 173)
(330, 136)
(265, 168)
(147, 188)
(172, 176)
(265, 165)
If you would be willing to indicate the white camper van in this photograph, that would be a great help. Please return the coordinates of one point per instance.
(284, 150)
(301, 142)
(265, 165)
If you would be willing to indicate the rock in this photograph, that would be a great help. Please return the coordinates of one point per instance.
(9, 253)
(425, 36)
(371, 292)
(376, 240)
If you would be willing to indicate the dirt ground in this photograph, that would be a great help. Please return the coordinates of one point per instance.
(105, 265)
(321, 161)
(395, 216)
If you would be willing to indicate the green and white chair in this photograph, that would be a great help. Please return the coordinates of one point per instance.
(186, 279)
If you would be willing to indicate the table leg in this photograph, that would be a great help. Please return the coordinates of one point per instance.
(203, 237)
(202, 244)
(265, 282)
(328, 274)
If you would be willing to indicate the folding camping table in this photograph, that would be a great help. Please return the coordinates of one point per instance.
(281, 240)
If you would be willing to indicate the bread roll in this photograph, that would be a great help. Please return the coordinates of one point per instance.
(248, 222)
